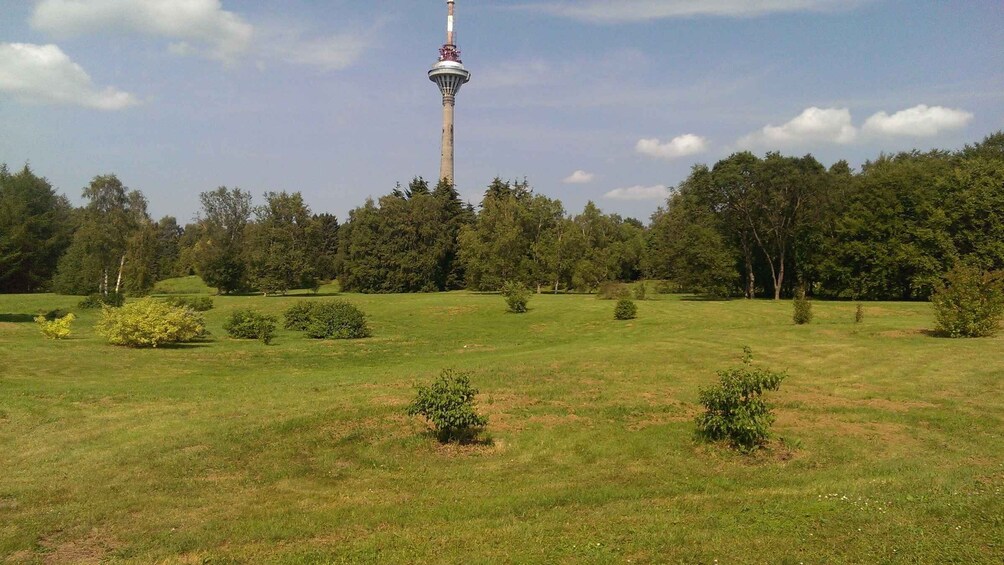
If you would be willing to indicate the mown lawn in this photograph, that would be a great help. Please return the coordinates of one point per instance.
(300, 452)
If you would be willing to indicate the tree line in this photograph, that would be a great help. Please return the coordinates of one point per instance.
(766, 226)
(747, 226)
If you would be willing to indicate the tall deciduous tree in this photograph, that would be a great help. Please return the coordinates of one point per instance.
(326, 228)
(283, 246)
(499, 245)
(96, 258)
(893, 241)
(686, 242)
(733, 193)
(219, 253)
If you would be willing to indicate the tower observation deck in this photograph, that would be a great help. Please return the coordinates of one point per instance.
(449, 75)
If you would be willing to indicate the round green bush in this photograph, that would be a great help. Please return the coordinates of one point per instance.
(149, 323)
(969, 302)
(251, 324)
(339, 320)
(448, 404)
(734, 408)
(802, 313)
(626, 309)
(516, 296)
(297, 317)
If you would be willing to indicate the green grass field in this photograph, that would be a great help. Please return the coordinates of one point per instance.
(299, 452)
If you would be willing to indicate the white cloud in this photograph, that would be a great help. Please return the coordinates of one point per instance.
(621, 11)
(657, 192)
(919, 121)
(814, 125)
(43, 73)
(201, 26)
(332, 53)
(680, 146)
(579, 177)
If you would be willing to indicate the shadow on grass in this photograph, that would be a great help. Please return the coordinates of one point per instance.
(16, 318)
(705, 298)
(474, 441)
(945, 335)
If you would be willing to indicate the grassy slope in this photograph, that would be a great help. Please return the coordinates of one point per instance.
(300, 452)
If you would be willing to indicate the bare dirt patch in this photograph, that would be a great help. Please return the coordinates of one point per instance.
(480, 448)
(92, 548)
(906, 333)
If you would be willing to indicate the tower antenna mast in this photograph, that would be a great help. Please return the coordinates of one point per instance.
(449, 75)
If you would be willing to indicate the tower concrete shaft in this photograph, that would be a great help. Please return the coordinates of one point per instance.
(446, 158)
(449, 75)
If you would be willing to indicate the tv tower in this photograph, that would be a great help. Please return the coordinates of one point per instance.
(449, 75)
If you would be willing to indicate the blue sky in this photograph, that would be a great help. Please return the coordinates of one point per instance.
(610, 101)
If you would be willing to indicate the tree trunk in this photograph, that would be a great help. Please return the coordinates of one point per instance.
(778, 282)
(118, 280)
(104, 283)
(750, 282)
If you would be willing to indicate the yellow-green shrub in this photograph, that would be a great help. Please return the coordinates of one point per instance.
(149, 323)
(55, 329)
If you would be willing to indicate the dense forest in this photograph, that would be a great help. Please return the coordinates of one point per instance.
(747, 226)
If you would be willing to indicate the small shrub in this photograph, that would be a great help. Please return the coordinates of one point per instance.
(58, 328)
(337, 319)
(802, 309)
(297, 317)
(516, 296)
(613, 290)
(251, 324)
(448, 404)
(969, 302)
(197, 303)
(859, 314)
(625, 309)
(735, 410)
(640, 291)
(98, 300)
(149, 323)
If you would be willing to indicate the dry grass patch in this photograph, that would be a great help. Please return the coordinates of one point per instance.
(94, 547)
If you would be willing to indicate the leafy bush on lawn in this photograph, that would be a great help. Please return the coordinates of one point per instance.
(149, 323)
(297, 317)
(625, 309)
(55, 329)
(516, 296)
(969, 302)
(802, 308)
(337, 319)
(448, 404)
(735, 410)
(251, 324)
